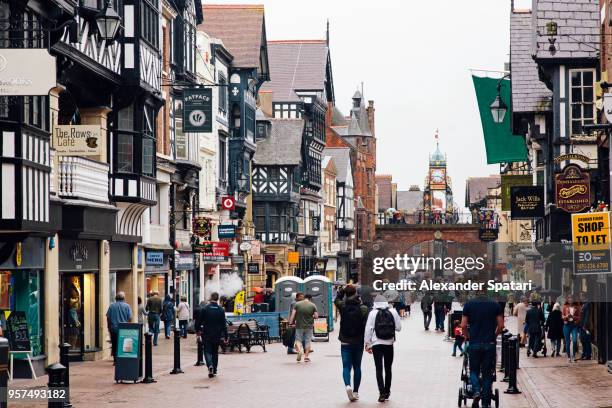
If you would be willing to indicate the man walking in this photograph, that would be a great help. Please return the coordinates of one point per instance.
(426, 304)
(154, 309)
(379, 337)
(481, 323)
(211, 327)
(303, 315)
(585, 330)
(534, 321)
(353, 317)
(118, 312)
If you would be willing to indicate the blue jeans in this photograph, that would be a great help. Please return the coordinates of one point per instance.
(569, 329)
(482, 363)
(167, 327)
(211, 354)
(440, 319)
(585, 339)
(154, 326)
(183, 327)
(457, 344)
(351, 358)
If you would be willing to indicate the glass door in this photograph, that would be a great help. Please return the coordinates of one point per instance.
(72, 314)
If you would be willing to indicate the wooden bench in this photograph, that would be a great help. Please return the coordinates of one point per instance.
(246, 334)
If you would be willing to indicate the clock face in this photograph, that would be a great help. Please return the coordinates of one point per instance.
(437, 176)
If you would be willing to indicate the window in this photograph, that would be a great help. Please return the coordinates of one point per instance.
(147, 156)
(222, 93)
(190, 47)
(540, 177)
(149, 23)
(539, 158)
(126, 118)
(125, 153)
(222, 159)
(260, 218)
(582, 99)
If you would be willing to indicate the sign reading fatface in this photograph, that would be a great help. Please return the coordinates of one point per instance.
(573, 189)
(591, 243)
(197, 110)
(527, 202)
(78, 140)
(26, 71)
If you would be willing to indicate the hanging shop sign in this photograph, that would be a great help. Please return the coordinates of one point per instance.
(255, 248)
(245, 246)
(572, 156)
(197, 110)
(527, 202)
(184, 261)
(573, 189)
(316, 223)
(226, 231)
(591, 243)
(155, 258)
(293, 257)
(228, 203)
(78, 140)
(270, 258)
(26, 72)
(607, 106)
(487, 234)
(253, 268)
(213, 250)
(202, 227)
(511, 180)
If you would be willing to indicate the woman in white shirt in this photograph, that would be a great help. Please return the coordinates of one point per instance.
(183, 316)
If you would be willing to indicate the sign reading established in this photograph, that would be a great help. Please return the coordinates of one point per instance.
(26, 72)
(82, 140)
(527, 202)
(591, 243)
(573, 189)
(197, 110)
(213, 250)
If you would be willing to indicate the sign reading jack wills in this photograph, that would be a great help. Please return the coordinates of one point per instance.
(82, 140)
(573, 189)
(527, 202)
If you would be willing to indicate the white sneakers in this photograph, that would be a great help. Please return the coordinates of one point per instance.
(349, 393)
(356, 396)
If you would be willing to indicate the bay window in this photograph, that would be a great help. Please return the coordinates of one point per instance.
(582, 110)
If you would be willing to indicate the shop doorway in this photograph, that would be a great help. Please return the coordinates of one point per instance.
(78, 317)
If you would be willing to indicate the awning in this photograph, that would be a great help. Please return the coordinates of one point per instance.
(501, 145)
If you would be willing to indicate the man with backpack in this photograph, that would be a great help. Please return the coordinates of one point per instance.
(383, 321)
(353, 316)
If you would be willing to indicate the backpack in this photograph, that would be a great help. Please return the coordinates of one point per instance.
(384, 325)
(351, 323)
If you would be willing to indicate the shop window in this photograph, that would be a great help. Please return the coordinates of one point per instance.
(582, 89)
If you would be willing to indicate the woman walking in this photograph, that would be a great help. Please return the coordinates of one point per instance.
(167, 315)
(383, 321)
(554, 326)
(142, 313)
(571, 315)
(183, 316)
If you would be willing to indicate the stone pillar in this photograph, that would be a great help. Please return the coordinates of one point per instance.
(132, 298)
(97, 117)
(103, 302)
(52, 301)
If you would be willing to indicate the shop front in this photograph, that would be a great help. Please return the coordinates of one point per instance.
(79, 266)
(156, 272)
(187, 277)
(21, 274)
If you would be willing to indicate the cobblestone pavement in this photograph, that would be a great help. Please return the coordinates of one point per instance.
(425, 375)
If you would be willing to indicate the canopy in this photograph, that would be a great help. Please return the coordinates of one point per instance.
(501, 145)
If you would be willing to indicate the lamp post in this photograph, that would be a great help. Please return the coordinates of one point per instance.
(108, 22)
(499, 107)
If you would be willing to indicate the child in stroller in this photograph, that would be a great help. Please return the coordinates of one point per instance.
(466, 390)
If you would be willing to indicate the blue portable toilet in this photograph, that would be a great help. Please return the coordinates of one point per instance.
(284, 288)
(320, 287)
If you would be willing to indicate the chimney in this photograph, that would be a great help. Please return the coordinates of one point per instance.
(371, 111)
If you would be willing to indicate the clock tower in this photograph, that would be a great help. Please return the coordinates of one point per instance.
(438, 195)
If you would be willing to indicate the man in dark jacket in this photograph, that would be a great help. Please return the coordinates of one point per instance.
(353, 317)
(534, 321)
(211, 326)
(426, 304)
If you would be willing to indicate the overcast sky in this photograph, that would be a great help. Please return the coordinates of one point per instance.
(414, 59)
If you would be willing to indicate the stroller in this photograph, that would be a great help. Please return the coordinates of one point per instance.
(465, 391)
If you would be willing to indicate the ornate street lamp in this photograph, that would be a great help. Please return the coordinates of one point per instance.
(108, 22)
(498, 109)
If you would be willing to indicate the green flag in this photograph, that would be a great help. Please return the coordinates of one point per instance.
(501, 145)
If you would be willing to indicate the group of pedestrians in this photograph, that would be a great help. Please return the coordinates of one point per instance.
(371, 331)
(439, 305)
(566, 323)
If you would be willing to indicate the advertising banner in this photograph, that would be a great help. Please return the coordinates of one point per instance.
(527, 202)
(197, 110)
(591, 243)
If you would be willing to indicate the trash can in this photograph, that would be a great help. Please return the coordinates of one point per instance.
(320, 288)
(284, 289)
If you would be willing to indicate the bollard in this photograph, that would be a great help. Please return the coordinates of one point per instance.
(57, 373)
(65, 361)
(200, 345)
(513, 345)
(4, 375)
(148, 377)
(506, 354)
(177, 352)
(504, 349)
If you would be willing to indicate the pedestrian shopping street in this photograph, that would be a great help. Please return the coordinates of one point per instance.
(424, 375)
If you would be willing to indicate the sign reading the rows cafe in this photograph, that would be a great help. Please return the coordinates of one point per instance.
(573, 189)
(81, 140)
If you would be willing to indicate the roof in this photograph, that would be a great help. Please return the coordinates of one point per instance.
(476, 188)
(529, 94)
(578, 28)
(342, 160)
(284, 144)
(296, 65)
(409, 201)
(338, 119)
(358, 123)
(240, 27)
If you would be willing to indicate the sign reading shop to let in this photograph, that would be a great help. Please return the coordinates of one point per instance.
(26, 71)
(591, 243)
(82, 140)
(573, 189)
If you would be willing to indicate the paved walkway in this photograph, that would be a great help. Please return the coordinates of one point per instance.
(425, 375)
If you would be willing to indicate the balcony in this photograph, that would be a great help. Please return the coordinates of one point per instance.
(82, 179)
